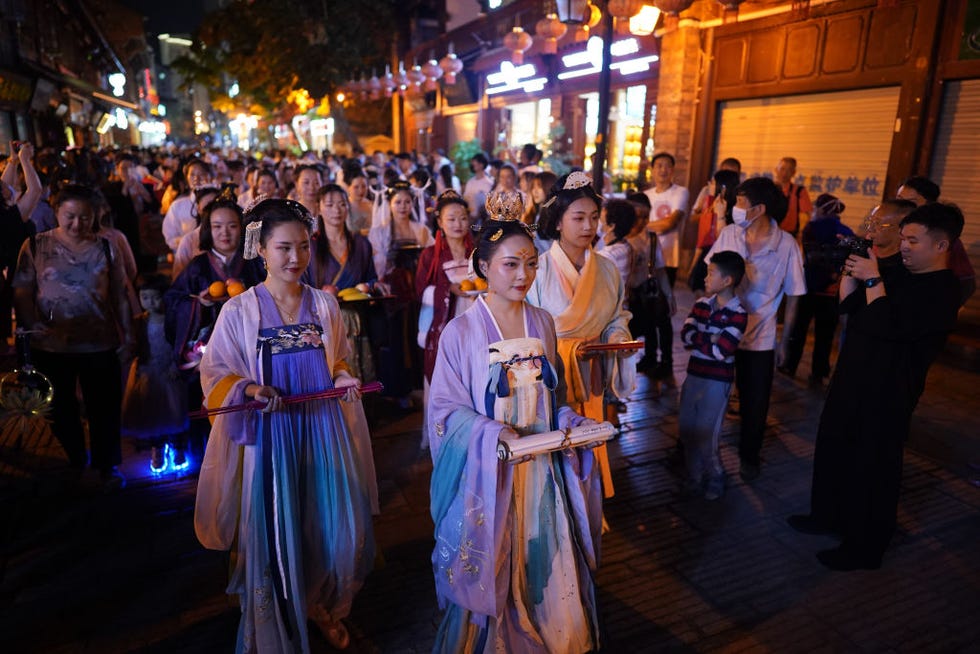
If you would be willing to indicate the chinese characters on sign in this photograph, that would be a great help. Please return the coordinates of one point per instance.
(834, 183)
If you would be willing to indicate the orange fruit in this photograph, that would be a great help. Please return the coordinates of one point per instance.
(480, 283)
(467, 285)
(235, 287)
(217, 289)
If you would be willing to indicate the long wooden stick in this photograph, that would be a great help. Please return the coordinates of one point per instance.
(333, 393)
(611, 347)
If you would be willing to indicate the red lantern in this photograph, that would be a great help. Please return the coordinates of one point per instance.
(672, 7)
(432, 74)
(624, 9)
(388, 83)
(451, 66)
(550, 29)
(517, 41)
(374, 87)
(415, 76)
(590, 19)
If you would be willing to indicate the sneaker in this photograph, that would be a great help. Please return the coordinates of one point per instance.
(179, 459)
(112, 480)
(714, 489)
(748, 471)
(158, 460)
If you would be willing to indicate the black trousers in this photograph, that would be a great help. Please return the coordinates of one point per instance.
(822, 310)
(100, 378)
(753, 378)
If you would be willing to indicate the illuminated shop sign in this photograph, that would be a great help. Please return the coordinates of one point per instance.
(512, 78)
(623, 54)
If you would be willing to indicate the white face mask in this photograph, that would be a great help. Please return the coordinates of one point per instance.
(740, 217)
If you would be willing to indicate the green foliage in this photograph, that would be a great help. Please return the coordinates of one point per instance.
(461, 153)
(272, 47)
(557, 149)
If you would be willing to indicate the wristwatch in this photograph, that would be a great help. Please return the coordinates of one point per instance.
(871, 282)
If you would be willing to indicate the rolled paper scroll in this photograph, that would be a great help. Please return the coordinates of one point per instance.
(523, 448)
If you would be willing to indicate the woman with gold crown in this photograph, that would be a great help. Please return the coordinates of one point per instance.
(584, 294)
(516, 544)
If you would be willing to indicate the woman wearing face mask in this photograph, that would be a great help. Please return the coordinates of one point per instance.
(585, 295)
(517, 544)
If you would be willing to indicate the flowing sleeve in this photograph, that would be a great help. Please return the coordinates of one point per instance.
(379, 237)
(224, 376)
(470, 490)
(337, 349)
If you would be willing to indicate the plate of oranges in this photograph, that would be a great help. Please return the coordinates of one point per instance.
(220, 291)
(473, 287)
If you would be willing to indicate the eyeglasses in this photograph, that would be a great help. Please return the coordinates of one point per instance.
(875, 223)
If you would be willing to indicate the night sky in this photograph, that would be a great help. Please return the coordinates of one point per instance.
(170, 16)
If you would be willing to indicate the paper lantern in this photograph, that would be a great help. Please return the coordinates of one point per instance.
(517, 41)
(388, 82)
(432, 74)
(415, 76)
(550, 29)
(672, 7)
(451, 66)
(374, 87)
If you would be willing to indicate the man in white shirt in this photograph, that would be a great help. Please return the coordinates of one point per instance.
(773, 268)
(477, 186)
(668, 205)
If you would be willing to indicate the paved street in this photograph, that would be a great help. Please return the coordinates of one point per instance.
(88, 573)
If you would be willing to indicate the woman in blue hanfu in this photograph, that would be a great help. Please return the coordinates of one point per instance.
(293, 486)
(516, 544)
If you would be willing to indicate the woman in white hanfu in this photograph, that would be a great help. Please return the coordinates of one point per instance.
(517, 544)
(292, 487)
(584, 294)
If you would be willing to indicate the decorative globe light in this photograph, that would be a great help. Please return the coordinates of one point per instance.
(451, 66)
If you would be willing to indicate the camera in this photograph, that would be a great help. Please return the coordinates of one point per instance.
(836, 254)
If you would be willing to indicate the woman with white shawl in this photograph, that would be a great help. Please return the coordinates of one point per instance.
(293, 486)
(584, 294)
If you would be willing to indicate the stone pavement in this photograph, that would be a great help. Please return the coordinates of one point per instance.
(84, 572)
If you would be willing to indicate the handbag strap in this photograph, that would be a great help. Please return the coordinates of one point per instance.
(653, 253)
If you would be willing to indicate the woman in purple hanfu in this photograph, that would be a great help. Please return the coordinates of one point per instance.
(516, 544)
(292, 487)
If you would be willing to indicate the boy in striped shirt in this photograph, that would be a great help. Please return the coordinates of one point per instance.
(712, 332)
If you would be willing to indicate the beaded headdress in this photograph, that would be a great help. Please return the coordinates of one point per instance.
(575, 180)
(253, 228)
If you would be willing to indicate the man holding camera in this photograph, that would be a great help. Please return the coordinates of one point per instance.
(894, 333)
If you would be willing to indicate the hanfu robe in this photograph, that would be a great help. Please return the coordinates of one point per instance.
(516, 543)
(293, 489)
(359, 268)
(395, 260)
(587, 306)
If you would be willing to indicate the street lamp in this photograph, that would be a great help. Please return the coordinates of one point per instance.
(571, 12)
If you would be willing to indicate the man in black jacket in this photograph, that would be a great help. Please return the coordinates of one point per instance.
(894, 333)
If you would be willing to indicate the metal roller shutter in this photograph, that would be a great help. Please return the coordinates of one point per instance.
(955, 163)
(841, 141)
